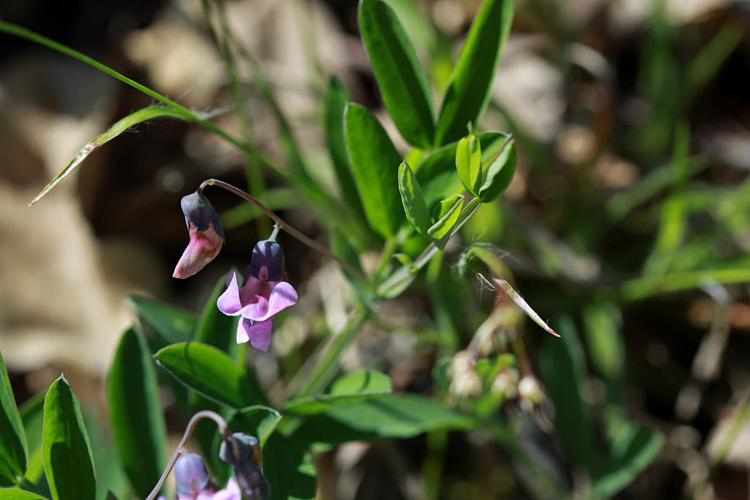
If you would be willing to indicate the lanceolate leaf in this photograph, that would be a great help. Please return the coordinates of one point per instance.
(18, 494)
(13, 450)
(402, 83)
(142, 115)
(172, 325)
(471, 82)
(497, 171)
(413, 199)
(67, 453)
(374, 162)
(210, 372)
(135, 413)
(469, 162)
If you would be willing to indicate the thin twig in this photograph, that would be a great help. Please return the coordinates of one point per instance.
(223, 428)
(281, 223)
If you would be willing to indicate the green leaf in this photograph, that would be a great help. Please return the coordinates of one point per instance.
(68, 463)
(497, 170)
(210, 372)
(18, 494)
(133, 119)
(469, 163)
(215, 328)
(374, 162)
(471, 82)
(14, 453)
(288, 468)
(172, 325)
(135, 413)
(32, 415)
(401, 80)
(633, 449)
(562, 367)
(413, 199)
(335, 103)
(361, 382)
(380, 416)
(437, 173)
(446, 215)
(258, 421)
(607, 349)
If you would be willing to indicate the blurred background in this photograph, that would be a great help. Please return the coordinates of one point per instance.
(630, 208)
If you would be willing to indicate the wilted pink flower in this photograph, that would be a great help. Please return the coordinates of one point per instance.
(206, 235)
(263, 295)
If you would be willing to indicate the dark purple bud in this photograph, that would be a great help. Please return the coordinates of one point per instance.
(238, 448)
(199, 211)
(267, 261)
(251, 482)
(191, 475)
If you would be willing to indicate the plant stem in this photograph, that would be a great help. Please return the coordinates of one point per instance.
(223, 428)
(327, 363)
(281, 223)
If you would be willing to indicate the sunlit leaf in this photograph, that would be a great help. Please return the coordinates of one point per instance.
(133, 119)
(446, 216)
(68, 462)
(402, 83)
(471, 82)
(13, 449)
(412, 199)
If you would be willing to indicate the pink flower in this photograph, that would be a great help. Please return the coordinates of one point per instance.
(263, 295)
(206, 235)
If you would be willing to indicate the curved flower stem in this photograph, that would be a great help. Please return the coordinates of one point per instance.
(281, 223)
(223, 428)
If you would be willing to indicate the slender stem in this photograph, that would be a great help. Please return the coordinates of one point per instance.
(201, 415)
(281, 223)
(327, 363)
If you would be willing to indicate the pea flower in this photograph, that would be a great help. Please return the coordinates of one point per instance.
(262, 296)
(193, 483)
(206, 235)
(243, 453)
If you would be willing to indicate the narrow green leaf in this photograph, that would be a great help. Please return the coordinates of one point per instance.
(18, 494)
(471, 82)
(362, 382)
(172, 325)
(288, 468)
(380, 416)
(401, 80)
(633, 449)
(447, 213)
(210, 372)
(497, 170)
(606, 347)
(374, 162)
(32, 415)
(412, 199)
(133, 119)
(14, 453)
(562, 368)
(135, 413)
(68, 463)
(335, 103)
(469, 163)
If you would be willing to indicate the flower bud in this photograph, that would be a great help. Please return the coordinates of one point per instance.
(190, 475)
(206, 235)
(465, 381)
(506, 383)
(238, 448)
(267, 261)
(251, 481)
(530, 392)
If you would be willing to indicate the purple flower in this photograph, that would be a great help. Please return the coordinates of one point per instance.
(193, 482)
(206, 235)
(261, 297)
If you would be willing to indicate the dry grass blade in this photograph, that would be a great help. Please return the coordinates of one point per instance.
(520, 302)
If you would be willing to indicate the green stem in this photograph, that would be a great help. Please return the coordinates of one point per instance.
(327, 364)
(406, 273)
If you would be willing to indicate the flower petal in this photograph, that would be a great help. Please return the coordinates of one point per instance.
(203, 247)
(229, 302)
(282, 295)
(258, 333)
